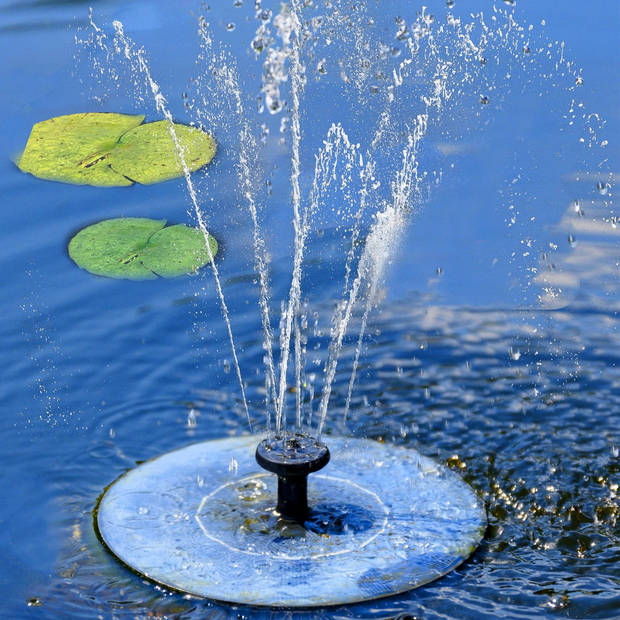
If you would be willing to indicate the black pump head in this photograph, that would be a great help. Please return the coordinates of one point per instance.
(292, 458)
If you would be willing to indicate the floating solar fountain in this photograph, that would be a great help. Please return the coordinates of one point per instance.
(207, 520)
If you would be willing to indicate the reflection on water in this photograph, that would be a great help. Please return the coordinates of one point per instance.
(591, 262)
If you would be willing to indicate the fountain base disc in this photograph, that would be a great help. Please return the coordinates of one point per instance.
(202, 520)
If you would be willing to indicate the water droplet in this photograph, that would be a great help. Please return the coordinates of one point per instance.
(515, 354)
(571, 240)
(578, 80)
(484, 100)
(230, 26)
(238, 3)
(450, 3)
(603, 188)
(264, 130)
(577, 208)
(191, 418)
(403, 32)
(321, 67)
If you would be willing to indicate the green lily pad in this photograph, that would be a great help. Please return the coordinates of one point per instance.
(140, 249)
(74, 148)
(107, 149)
(147, 153)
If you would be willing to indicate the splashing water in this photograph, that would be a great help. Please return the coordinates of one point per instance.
(226, 81)
(138, 56)
(290, 31)
(377, 185)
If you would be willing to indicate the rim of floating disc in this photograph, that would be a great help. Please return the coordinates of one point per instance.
(171, 520)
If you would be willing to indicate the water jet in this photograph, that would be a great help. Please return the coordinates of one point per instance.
(384, 519)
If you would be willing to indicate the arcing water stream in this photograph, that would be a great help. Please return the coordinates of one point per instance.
(378, 186)
(137, 56)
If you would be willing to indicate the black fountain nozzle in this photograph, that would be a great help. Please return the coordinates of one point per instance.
(292, 457)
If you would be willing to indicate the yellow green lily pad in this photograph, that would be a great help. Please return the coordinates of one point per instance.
(107, 149)
(144, 152)
(140, 249)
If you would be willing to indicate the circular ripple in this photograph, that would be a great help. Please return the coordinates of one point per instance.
(241, 516)
(202, 520)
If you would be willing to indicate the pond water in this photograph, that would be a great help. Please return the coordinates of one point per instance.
(479, 355)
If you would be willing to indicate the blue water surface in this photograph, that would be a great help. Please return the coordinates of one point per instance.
(469, 358)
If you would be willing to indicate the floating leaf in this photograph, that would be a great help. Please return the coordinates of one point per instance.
(140, 249)
(74, 148)
(177, 250)
(106, 149)
(148, 154)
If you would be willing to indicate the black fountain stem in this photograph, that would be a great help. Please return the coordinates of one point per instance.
(292, 458)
